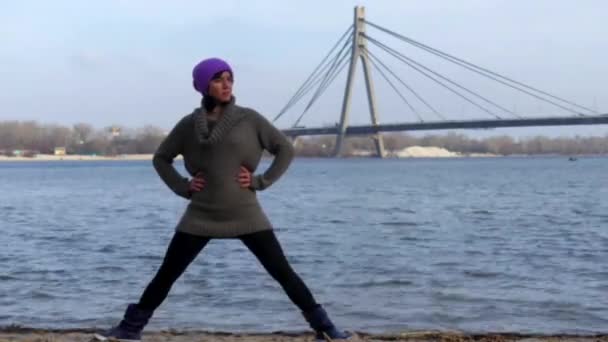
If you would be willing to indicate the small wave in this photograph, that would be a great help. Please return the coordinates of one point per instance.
(149, 257)
(446, 264)
(551, 219)
(452, 297)
(481, 274)
(397, 210)
(40, 295)
(336, 221)
(603, 218)
(7, 277)
(109, 269)
(378, 283)
(399, 223)
(58, 238)
(40, 272)
(67, 240)
(587, 255)
(449, 318)
(243, 302)
(409, 238)
(369, 315)
(107, 249)
(482, 212)
(387, 282)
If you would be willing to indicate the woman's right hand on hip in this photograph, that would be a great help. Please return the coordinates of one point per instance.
(197, 183)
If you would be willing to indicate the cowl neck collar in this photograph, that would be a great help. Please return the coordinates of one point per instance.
(229, 118)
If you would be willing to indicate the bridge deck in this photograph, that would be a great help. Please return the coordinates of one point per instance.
(441, 125)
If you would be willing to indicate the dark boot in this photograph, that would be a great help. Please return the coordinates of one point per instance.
(324, 329)
(130, 327)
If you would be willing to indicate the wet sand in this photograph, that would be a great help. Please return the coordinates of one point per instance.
(39, 335)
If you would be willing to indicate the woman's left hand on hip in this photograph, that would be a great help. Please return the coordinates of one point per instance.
(244, 177)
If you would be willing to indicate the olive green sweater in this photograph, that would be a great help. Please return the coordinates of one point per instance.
(223, 209)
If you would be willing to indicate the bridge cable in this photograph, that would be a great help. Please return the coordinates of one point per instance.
(339, 67)
(331, 76)
(318, 78)
(451, 81)
(341, 56)
(394, 88)
(314, 82)
(305, 87)
(313, 77)
(486, 72)
(377, 60)
(405, 60)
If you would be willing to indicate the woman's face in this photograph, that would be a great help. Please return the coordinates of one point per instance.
(221, 87)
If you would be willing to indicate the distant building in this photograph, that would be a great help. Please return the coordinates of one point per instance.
(19, 153)
(60, 151)
(115, 131)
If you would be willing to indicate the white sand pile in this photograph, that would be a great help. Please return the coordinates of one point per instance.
(424, 152)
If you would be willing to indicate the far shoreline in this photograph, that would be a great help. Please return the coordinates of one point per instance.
(78, 157)
(148, 157)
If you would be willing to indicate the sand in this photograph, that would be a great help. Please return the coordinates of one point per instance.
(37, 335)
(433, 152)
(425, 152)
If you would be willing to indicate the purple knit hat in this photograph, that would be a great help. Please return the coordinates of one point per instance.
(203, 73)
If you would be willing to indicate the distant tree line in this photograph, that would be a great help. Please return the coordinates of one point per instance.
(34, 138)
(499, 145)
(82, 138)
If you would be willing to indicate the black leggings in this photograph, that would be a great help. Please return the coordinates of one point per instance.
(264, 245)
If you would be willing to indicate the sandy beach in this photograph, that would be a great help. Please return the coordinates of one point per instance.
(38, 335)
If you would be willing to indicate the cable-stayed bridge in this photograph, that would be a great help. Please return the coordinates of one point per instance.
(354, 46)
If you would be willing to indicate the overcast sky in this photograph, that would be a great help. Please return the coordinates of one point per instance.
(129, 61)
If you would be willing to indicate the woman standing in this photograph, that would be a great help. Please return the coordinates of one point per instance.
(222, 145)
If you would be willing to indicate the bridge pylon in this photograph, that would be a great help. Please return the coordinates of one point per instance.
(359, 51)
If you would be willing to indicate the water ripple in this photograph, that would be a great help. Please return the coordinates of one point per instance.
(399, 223)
